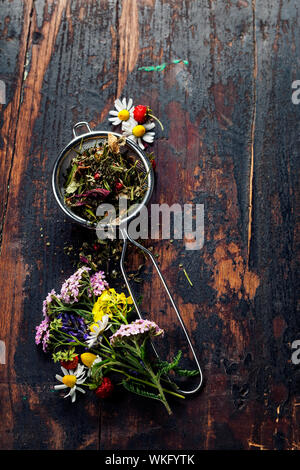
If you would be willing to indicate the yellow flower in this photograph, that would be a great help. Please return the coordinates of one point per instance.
(88, 359)
(69, 380)
(106, 295)
(97, 310)
(109, 303)
(93, 327)
(123, 115)
(138, 131)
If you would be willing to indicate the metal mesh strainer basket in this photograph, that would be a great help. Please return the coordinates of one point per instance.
(88, 140)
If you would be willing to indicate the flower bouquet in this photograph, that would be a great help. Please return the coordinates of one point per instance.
(88, 329)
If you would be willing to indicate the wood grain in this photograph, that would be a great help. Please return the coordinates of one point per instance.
(231, 142)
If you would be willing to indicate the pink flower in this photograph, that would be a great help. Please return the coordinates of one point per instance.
(138, 329)
(98, 283)
(42, 329)
(45, 340)
(70, 290)
(48, 301)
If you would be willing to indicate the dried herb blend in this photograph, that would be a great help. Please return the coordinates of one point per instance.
(103, 173)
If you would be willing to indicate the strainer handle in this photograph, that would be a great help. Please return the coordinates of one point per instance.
(80, 124)
(126, 237)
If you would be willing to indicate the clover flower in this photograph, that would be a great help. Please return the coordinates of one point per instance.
(123, 112)
(70, 290)
(98, 283)
(71, 379)
(138, 132)
(137, 330)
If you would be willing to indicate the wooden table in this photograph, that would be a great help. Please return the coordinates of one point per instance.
(231, 142)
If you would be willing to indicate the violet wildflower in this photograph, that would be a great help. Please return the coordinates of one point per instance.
(137, 330)
(70, 290)
(74, 325)
(98, 283)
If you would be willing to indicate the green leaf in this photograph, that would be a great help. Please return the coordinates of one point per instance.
(90, 212)
(138, 390)
(71, 174)
(64, 355)
(165, 367)
(186, 372)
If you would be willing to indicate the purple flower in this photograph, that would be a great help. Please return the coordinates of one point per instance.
(45, 340)
(42, 329)
(70, 290)
(138, 329)
(73, 325)
(98, 283)
(48, 301)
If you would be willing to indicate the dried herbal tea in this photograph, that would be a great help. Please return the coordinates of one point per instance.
(103, 173)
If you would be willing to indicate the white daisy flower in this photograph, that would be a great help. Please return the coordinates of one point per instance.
(97, 329)
(123, 112)
(139, 132)
(71, 380)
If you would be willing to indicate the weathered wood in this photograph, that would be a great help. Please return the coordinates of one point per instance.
(230, 142)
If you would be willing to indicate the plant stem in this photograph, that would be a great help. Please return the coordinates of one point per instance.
(154, 117)
(147, 383)
(156, 381)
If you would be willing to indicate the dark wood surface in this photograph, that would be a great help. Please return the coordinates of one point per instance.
(231, 142)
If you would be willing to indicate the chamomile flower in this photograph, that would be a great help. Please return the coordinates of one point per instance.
(89, 360)
(123, 112)
(71, 380)
(96, 331)
(139, 132)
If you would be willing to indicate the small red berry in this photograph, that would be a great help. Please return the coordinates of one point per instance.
(140, 113)
(105, 389)
(96, 247)
(119, 186)
(70, 365)
(97, 176)
(153, 163)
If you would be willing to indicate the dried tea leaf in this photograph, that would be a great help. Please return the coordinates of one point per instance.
(72, 186)
(122, 141)
(103, 172)
(113, 145)
(95, 192)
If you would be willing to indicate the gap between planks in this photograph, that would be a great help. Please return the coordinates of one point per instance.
(254, 79)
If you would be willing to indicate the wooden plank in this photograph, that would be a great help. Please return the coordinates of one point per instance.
(14, 37)
(273, 243)
(63, 62)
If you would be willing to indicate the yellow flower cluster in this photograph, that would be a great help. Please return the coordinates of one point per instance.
(112, 304)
